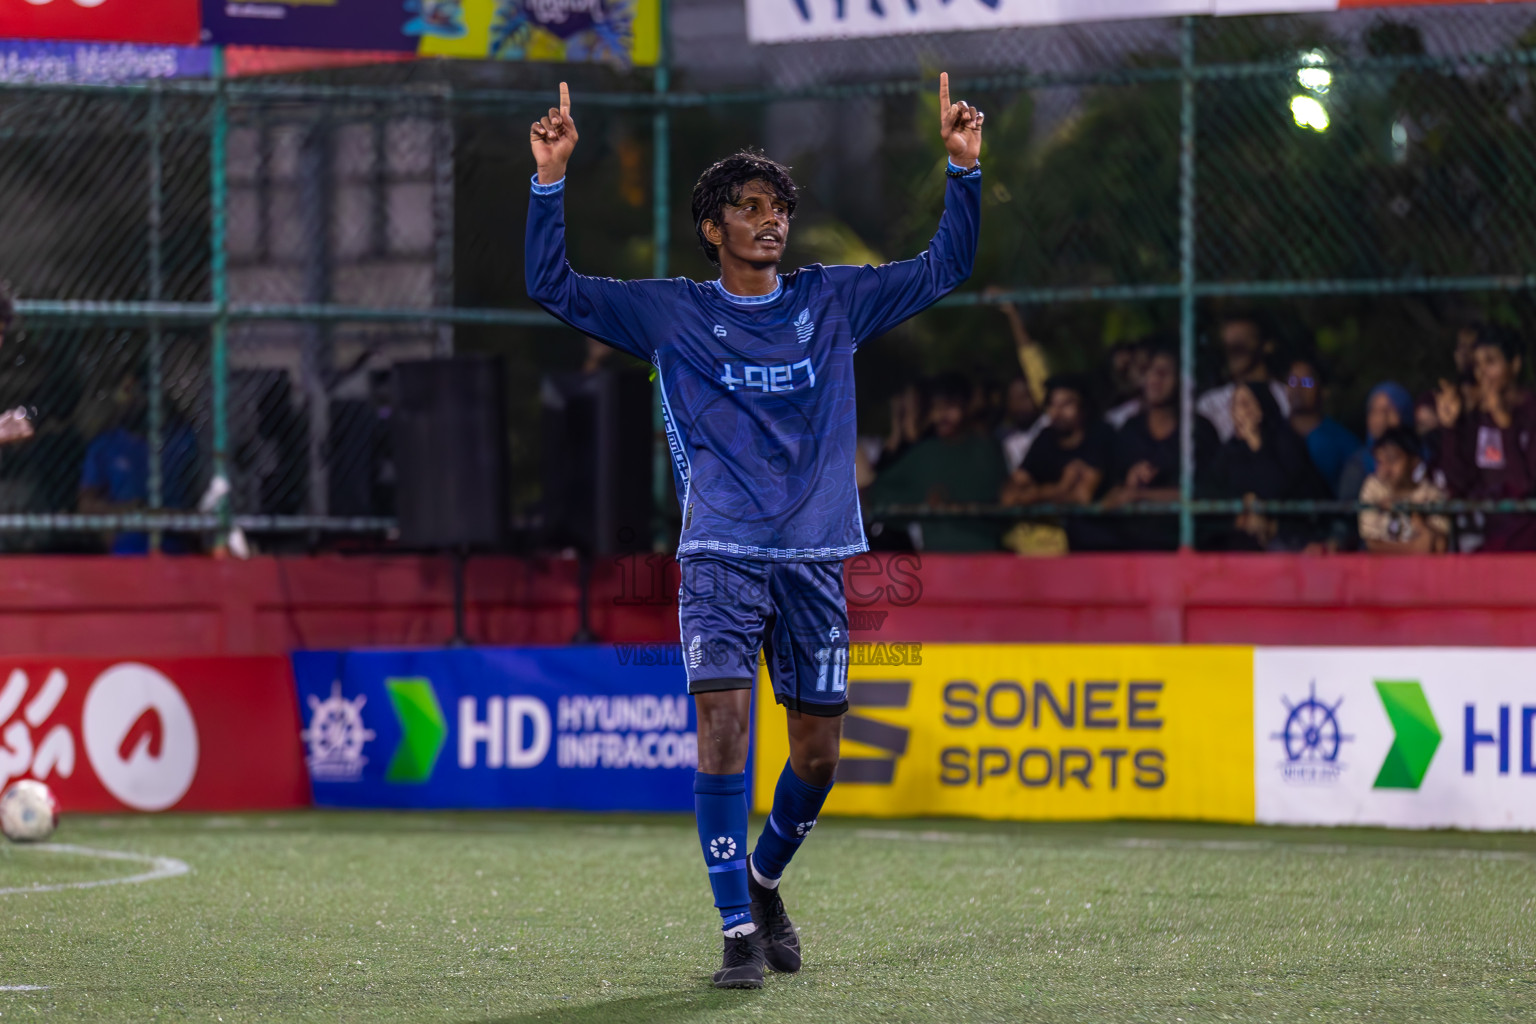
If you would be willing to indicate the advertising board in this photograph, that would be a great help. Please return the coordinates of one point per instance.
(560, 728)
(1039, 732)
(185, 734)
(1401, 737)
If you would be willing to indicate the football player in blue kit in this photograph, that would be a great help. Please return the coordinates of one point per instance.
(756, 376)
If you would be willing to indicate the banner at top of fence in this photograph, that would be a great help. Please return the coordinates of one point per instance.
(171, 22)
(624, 32)
(779, 21)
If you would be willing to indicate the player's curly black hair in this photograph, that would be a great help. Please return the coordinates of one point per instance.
(721, 186)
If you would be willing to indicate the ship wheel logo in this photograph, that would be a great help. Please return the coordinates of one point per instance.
(1312, 730)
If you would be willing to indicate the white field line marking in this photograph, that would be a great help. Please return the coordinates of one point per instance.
(159, 867)
(927, 837)
(1209, 845)
(1268, 846)
(23, 988)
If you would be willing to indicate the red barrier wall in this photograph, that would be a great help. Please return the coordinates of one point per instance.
(114, 607)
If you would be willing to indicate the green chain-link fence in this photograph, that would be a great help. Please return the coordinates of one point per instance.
(229, 268)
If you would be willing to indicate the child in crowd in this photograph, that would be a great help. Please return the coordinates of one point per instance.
(1400, 476)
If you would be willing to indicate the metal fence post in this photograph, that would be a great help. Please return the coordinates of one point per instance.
(1187, 272)
(444, 163)
(218, 196)
(661, 232)
(156, 293)
(317, 356)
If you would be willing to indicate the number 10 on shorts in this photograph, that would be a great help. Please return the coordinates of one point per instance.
(832, 665)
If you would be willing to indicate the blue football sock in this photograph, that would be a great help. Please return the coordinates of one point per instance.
(796, 804)
(720, 803)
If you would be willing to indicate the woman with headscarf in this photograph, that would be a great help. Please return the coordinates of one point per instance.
(1265, 460)
(1389, 405)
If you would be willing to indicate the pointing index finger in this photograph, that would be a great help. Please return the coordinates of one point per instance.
(943, 95)
(565, 99)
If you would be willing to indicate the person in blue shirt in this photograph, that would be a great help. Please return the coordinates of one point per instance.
(1329, 442)
(756, 377)
(115, 476)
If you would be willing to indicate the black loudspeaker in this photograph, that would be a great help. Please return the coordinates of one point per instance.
(450, 450)
(268, 443)
(355, 451)
(597, 461)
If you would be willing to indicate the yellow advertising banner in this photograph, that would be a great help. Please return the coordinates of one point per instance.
(1036, 733)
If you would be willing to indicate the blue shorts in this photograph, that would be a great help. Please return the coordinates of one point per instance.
(729, 611)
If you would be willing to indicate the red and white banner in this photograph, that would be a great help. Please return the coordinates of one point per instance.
(177, 22)
(185, 734)
(779, 21)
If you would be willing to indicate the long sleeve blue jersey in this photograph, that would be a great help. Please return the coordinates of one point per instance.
(757, 392)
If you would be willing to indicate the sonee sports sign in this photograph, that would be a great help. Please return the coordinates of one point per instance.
(1025, 732)
(1426, 738)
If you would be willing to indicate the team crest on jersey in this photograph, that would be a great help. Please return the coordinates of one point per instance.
(719, 331)
(805, 327)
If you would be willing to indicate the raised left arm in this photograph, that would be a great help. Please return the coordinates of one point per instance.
(879, 298)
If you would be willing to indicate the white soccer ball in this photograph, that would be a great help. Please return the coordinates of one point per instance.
(28, 812)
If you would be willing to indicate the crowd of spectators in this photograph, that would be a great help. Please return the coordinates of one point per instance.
(1098, 454)
(89, 452)
(1108, 442)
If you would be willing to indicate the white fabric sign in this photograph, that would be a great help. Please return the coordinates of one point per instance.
(780, 21)
(1399, 737)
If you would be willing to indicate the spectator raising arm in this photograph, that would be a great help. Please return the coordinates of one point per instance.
(1032, 361)
(1489, 451)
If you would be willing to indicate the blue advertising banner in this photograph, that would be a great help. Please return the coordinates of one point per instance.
(338, 24)
(561, 728)
(42, 61)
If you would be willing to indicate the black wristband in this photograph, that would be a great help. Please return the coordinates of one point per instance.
(961, 172)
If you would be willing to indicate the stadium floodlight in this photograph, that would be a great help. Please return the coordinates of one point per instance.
(1309, 113)
(1312, 75)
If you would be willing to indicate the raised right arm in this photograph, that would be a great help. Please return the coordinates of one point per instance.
(600, 307)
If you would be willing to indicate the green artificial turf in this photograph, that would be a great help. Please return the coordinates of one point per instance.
(564, 919)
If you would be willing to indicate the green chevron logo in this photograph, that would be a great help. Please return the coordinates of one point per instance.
(1417, 735)
(422, 730)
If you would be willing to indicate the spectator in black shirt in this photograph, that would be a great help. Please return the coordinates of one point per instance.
(1147, 457)
(1069, 463)
(1265, 461)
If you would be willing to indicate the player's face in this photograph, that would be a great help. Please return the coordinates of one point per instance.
(755, 229)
